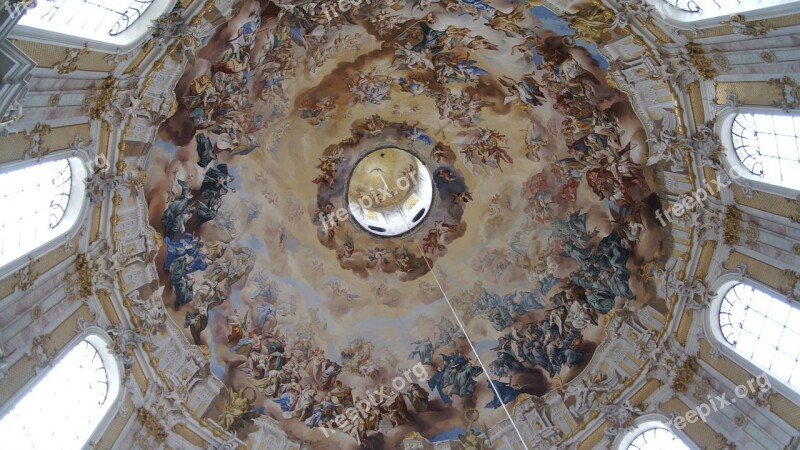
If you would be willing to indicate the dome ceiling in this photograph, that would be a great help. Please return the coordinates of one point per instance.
(542, 214)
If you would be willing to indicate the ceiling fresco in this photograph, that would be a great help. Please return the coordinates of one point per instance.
(541, 219)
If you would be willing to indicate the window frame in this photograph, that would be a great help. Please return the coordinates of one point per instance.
(704, 19)
(132, 37)
(730, 160)
(648, 422)
(74, 216)
(101, 341)
(714, 333)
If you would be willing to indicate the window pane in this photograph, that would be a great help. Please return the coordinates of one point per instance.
(762, 329)
(768, 145)
(34, 200)
(86, 18)
(685, 5)
(657, 439)
(64, 408)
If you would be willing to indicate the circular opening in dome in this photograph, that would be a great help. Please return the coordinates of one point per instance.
(389, 192)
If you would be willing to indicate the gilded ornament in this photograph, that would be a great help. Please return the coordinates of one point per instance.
(151, 423)
(742, 26)
(721, 60)
(732, 225)
(795, 217)
(722, 443)
(701, 62)
(70, 62)
(685, 374)
(27, 276)
(591, 23)
(99, 100)
(768, 57)
(414, 435)
(83, 271)
(35, 137)
(790, 90)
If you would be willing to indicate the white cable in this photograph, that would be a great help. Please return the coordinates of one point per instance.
(466, 336)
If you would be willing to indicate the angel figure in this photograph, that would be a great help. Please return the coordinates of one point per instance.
(238, 410)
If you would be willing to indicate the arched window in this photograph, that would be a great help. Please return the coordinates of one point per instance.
(38, 204)
(689, 5)
(66, 406)
(768, 145)
(712, 12)
(87, 18)
(652, 435)
(763, 329)
(120, 23)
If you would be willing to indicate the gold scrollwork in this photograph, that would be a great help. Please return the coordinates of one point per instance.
(98, 101)
(591, 23)
(742, 26)
(70, 62)
(790, 89)
(685, 374)
(151, 423)
(83, 270)
(27, 276)
(703, 64)
(732, 226)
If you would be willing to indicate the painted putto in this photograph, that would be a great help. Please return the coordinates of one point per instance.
(540, 222)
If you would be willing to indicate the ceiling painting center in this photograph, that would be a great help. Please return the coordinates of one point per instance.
(527, 204)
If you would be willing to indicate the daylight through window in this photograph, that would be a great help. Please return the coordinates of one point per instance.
(658, 438)
(34, 200)
(93, 19)
(764, 329)
(768, 145)
(65, 407)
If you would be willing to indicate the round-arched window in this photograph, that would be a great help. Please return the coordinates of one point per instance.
(63, 409)
(653, 436)
(39, 204)
(763, 329)
(768, 145)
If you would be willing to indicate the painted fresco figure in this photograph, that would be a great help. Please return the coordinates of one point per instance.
(186, 246)
(397, 410)
(342, 394)
(436, 382)
(321, 412)
(181, 284)
(424, 349)
(177, 212)
(205, 150)
(508, 393)
(214, 187)
(418, 397)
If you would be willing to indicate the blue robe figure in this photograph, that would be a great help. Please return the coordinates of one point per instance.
(480, 5)
(436, 383)
(186, 246)
(507, 394)
(320, 413)
(547, 283)
(265, 310)
(285, 401)
(177, 212)
(424, 349)
(431, 39)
